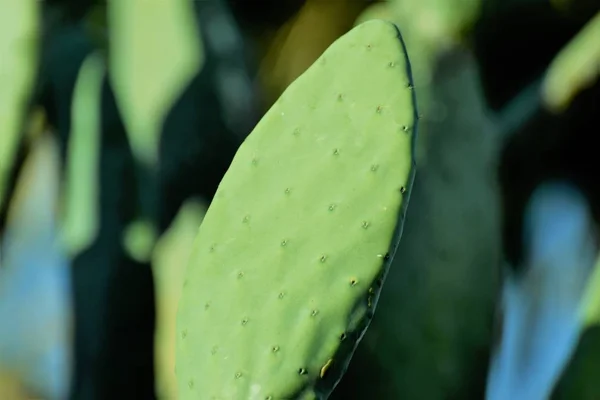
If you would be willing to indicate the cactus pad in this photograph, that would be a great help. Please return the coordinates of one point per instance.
(289, 261)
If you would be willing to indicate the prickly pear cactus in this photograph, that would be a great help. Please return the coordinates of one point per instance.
(575, 67)
(291, 256)
(19, 44)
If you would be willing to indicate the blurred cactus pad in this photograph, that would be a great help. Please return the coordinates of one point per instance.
(291, 256)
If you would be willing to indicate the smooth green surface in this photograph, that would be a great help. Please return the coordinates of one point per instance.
(18, 63)
(288, 252)
(82, 209)
(590, 306)
(574, 69)
(156, 49)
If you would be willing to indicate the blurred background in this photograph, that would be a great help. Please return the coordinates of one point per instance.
(121, 117)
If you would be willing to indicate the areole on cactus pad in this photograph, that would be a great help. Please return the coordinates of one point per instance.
(291, 256)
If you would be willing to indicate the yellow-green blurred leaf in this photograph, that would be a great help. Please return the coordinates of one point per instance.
(575, 68)
(81, 213)
(170, 259)
(19, 55)
(155, 50)
(591, 302)
(139, 239)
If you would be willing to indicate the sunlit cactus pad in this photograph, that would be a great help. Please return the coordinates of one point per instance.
(292, 253)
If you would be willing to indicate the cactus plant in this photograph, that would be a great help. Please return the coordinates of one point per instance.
(576, 67)
(291, 256)
(145, 95)
(19, 43)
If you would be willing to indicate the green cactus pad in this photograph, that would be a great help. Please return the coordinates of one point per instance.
(290, 259)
